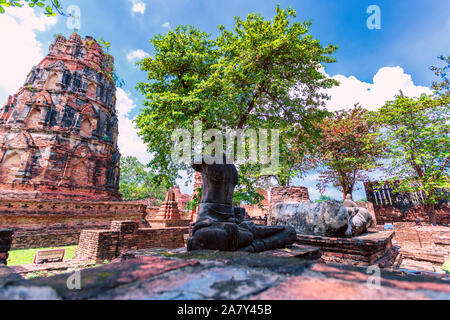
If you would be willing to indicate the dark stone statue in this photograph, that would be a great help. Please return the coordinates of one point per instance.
(221, 226)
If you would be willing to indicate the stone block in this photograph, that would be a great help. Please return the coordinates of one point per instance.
(108, 244)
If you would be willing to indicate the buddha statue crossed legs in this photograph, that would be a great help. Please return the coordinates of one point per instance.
(221, 226)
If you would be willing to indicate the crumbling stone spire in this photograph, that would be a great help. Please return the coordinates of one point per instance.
(169, 209)
(58, 133)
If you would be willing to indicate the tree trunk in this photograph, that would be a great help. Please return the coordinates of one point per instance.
(431, 213)
(347, 187)
(347, 190)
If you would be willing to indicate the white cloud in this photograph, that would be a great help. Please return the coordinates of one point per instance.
(138, 6)
(130, 144)
(137, 55)
(166, 25)
(386, 84)
(20, 48)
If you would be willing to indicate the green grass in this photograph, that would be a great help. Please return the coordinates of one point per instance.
(446, 266)
(21, 257)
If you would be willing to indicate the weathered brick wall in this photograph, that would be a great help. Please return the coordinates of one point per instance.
(289, 194)
(5, 244)
(171, 238)
(45, 240)
(410, 235)
(388, 214)
(151, 212)
(156, 224)
(423, 243)
(255, 211)
(127, 236)
(39, 224)
(98, 245)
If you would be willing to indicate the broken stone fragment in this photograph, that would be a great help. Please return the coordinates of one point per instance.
(328, 219)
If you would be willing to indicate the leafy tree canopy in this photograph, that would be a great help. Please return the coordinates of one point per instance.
(442, 87)
(51, 7)
(346, 148)
(137, 182)
(262, 74)
(417, 132)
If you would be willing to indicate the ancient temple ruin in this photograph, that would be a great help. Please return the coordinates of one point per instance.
(59, 160)
(58, 133)
(169, 214)
(169, 209)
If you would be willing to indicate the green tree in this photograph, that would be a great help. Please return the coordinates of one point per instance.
(416, 131)
(263, 74)
(51, 7)
(137, 182)
(442, 87)
(346, 149)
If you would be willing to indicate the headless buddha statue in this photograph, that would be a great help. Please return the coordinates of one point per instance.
(221, 226)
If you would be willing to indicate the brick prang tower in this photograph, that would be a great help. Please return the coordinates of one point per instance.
(58, 133)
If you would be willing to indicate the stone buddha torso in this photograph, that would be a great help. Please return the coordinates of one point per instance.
(219, 181)
(221, 226)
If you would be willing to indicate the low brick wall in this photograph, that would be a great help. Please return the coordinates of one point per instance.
(5, 244)
(410, 235)
(288, 194)
(45, 240)
(254, 211)
(39, 224)
(126, 236)
(423, 243)
(389, 214)
(173, 223)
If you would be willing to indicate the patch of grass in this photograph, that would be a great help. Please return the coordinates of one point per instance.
(446, 266)
(26, 256)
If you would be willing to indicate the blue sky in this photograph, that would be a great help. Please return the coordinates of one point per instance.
(371, 64)
(412, 33)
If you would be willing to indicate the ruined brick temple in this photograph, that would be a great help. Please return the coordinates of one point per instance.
(59, 160)
(58, 133)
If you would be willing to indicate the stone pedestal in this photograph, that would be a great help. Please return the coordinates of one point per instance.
(373, 248)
